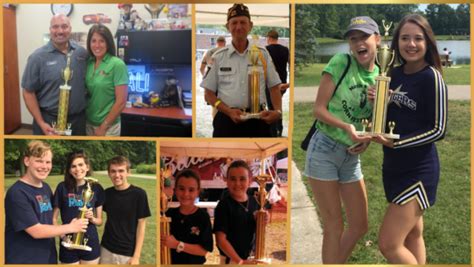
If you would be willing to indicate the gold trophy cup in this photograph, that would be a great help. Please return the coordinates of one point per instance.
(154, 9)
(61, 127)
(385, 57)
(260, 256)
(165, 252)
(254, 73)
(78, 240)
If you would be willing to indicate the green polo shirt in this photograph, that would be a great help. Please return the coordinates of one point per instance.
(101, 84)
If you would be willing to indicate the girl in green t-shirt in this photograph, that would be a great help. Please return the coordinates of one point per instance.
(332, 159)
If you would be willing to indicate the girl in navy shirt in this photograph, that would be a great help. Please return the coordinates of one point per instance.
(411, 166)
(68, 200)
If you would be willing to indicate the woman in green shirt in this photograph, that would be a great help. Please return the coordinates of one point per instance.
(107, 84)
(332, 160)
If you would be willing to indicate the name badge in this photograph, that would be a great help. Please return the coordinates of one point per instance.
(225, 69)
(51, 63)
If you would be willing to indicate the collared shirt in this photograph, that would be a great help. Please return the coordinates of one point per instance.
(101, 83)
(228, 76)
(43, 76)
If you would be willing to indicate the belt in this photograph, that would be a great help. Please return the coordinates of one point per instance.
(55, 114)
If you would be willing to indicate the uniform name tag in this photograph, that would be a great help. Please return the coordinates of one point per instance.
(225, 69)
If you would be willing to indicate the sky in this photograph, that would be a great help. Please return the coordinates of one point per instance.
(423, 6)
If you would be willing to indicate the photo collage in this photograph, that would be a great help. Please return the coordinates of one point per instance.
(236, 133)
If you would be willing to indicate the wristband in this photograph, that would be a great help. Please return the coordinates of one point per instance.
(216, 104)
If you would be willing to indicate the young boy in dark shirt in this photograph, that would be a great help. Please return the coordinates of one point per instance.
(127, 208)
(234, 217)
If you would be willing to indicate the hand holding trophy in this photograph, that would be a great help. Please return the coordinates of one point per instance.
(79, 240)
(385, 57)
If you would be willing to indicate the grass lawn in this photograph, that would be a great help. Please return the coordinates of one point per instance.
(311, 75)
(149, 185)
(447, 224)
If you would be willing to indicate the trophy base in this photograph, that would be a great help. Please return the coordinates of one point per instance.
(65, 132)
(386, 135)
(249, 116)
(262, 261)
(74, 246)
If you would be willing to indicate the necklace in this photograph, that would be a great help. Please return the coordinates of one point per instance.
(184, 216)
(246, 207)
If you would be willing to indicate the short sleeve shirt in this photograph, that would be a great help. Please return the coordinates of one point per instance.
(237, 221)
(101, 83)
(25, 206)
(349, 103)
(124, 208)
(43, 76)
(192, 229)
(228, 76)
(70, 202)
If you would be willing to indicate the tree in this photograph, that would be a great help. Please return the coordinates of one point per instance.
(305, 32)
(99, 152)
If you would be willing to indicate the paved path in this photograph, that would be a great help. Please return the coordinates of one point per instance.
(306, 233)
(134, 175)
(455, 92)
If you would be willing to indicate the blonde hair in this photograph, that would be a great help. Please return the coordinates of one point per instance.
(37, 149)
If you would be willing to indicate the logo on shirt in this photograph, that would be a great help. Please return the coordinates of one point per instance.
(195, 230)
(44, 203)
(76, 201)
(356, 107)
(103, 73)
(400, 98)
(51, 63)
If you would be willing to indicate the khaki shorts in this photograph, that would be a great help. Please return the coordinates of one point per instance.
(113, 130)
(107, 257)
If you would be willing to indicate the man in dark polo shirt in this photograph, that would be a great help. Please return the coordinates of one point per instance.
(280, 56)
(43, 76)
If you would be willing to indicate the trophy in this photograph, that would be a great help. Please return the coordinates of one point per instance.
(384, 58)
(254, 73)
(61, 126)
(260, 256)
(78, 240)
(154, 9)
(165, 251)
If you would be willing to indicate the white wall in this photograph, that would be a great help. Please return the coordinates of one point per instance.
(33, 22)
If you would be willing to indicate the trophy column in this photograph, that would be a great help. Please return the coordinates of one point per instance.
(165, 252)
(78, 240)
(384, 58)
(61, 126)
(254, 73)
(260, 256)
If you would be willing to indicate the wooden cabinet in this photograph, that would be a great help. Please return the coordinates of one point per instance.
(11, 84)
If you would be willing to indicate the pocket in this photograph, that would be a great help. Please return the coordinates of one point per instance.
(323, 144)
(226, 77)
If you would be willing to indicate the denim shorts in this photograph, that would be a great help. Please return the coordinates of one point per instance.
(328, 160)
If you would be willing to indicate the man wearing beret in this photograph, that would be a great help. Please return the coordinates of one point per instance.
(226, 83)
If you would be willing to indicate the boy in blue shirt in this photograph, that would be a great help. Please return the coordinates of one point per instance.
(29, 229)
